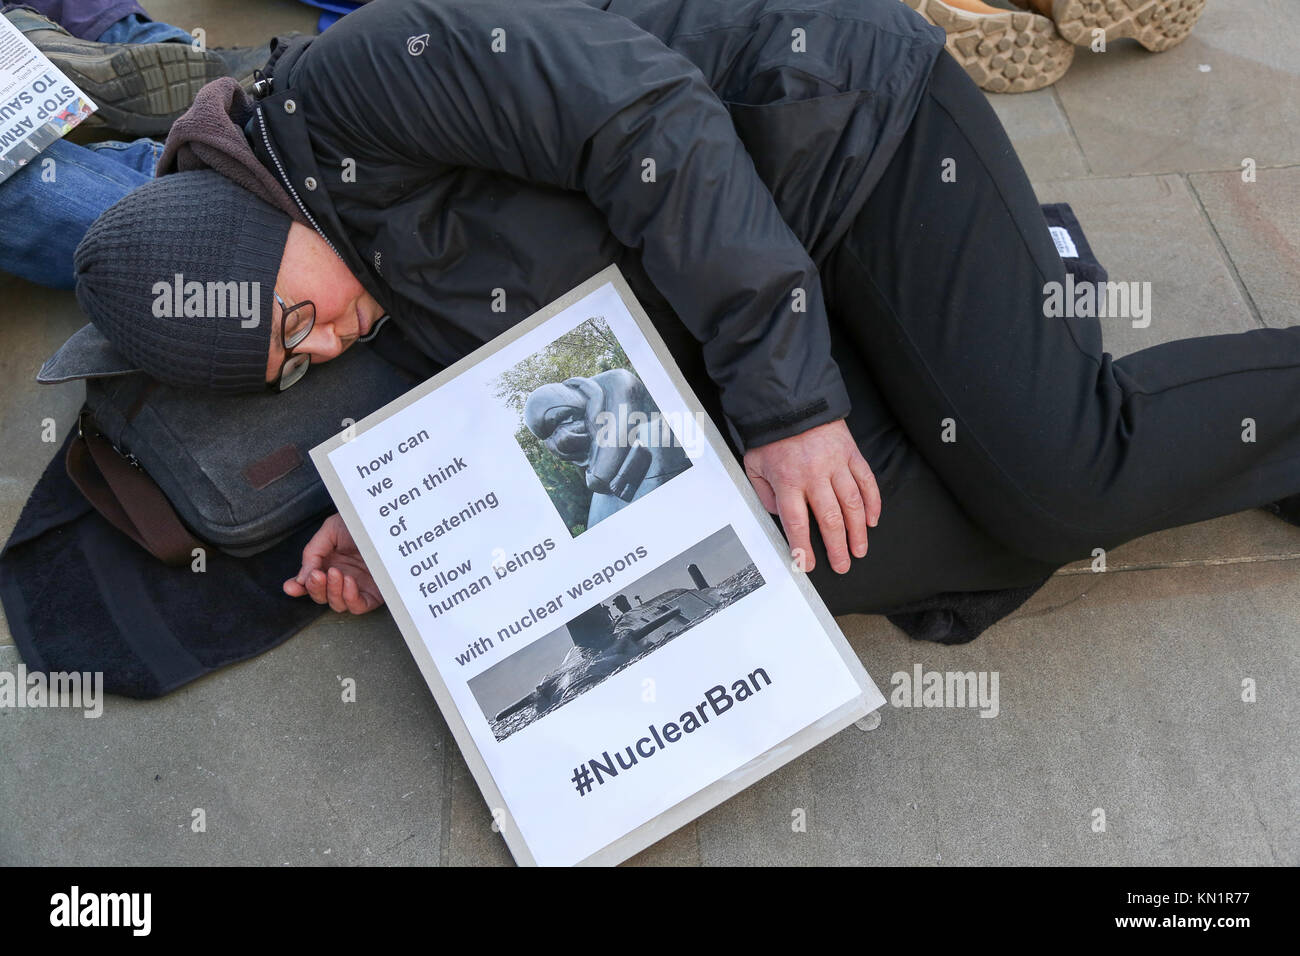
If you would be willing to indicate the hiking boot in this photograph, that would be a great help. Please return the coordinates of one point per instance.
(1156, 24)
(243, 61)
(140, 88)
(1003, 51)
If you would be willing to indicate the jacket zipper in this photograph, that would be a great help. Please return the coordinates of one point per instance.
(284, 178)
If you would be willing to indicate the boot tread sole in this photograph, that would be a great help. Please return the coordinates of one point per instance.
(141, 88)
(1007, 52)
(1156, 24)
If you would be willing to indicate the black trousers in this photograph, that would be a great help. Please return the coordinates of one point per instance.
(1005, 442)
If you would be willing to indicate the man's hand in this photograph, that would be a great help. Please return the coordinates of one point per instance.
(820, 469)
(334, 573)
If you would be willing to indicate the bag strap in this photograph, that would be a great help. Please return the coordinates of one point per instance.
(127, 497)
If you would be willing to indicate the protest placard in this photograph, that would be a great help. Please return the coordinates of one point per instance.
(609, 620)
(38, 103)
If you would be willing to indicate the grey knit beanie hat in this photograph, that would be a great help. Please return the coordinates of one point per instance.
(180, 276)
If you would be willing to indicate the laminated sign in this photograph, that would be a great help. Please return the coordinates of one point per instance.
(607, 616)
(38, 104)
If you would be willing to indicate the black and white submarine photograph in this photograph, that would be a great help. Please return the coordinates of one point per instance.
(645, 615)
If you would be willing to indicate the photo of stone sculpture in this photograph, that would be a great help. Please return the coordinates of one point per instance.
(588, 426)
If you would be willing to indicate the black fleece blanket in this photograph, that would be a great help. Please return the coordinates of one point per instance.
(81, 596)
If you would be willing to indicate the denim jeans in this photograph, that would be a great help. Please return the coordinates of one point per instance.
(47, 206)
(136, 29)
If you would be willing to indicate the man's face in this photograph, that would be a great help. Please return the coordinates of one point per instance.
(345, 311)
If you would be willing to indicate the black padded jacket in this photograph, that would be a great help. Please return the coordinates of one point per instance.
(471, 161)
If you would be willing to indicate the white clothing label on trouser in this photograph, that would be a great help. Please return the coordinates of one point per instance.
(1064, 244)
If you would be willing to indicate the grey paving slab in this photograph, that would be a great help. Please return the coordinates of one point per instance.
(1259, 225)
(1038, 129)
(285, 770)
(472, 839)
(1245, 536)
(1125, 697)
(1229, 91)
(679, 848)
(1150, 229)
(34, 322)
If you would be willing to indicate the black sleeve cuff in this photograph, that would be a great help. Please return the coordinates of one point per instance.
(816, 411)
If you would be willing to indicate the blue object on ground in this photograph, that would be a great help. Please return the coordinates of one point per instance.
(333, 11)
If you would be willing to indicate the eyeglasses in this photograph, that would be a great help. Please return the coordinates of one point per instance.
(296, 322)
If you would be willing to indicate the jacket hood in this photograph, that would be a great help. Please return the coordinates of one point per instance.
(210, 135)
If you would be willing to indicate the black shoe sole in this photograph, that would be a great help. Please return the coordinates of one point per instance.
(142, 88)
